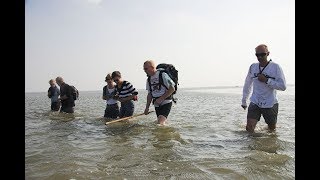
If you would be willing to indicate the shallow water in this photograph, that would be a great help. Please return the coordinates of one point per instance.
(205, 139)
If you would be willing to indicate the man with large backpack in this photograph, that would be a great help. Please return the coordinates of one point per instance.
(66, 96)
(160, 89)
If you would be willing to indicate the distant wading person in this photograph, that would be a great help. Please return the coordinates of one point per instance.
(53, 94)
(109, 91)
(66, 97)
(266, 77)
(126, 94)
(160, 96)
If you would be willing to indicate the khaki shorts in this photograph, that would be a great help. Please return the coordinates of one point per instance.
(269, 114)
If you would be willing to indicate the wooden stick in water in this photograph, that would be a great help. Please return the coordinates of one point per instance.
(125, 118)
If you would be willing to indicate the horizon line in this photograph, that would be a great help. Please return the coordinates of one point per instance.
(206, 87)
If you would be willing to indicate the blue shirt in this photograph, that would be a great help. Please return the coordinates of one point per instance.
(55, 92)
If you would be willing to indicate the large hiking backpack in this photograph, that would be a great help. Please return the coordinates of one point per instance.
(173, 74)
(74, 92)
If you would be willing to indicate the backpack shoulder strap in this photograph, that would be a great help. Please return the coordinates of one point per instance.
(104, 90)
(161, 79)
(264, 67)
(161, 82)
(149, 82)
(69, 90)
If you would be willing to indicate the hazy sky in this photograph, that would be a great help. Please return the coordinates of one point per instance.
(211, 42)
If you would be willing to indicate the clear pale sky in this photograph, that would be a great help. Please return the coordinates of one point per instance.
(211, 42)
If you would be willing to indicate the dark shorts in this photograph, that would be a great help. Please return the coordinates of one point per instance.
(67, 109)
(269, 114)
(55, 106)
(164, 110)
(127, 109)
(112, 111)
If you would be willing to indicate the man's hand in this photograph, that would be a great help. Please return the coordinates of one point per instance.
(135, 98)
(262, 78)
(116, 97)
(159, 101)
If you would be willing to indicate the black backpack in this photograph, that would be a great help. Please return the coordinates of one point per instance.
(173, 74)
(50, 94)
(74, 92)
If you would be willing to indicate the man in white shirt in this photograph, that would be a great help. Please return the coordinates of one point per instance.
(264, 78)
(159, 94)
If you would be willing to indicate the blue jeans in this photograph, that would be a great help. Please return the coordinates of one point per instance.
(127, 109)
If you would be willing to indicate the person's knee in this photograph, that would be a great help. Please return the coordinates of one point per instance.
(251, 124)
(161, 119)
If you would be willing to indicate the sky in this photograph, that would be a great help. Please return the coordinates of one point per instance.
(210, 42)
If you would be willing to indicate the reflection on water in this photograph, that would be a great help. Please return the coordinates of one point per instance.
(268, 144)
(164, 137)
(121, 128)
(54, 115)
(205, 139)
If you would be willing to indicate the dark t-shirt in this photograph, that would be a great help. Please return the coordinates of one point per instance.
(65, 89)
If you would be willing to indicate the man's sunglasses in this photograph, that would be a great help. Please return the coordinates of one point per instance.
(261, 54)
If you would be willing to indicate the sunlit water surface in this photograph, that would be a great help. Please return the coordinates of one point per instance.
(205, 139)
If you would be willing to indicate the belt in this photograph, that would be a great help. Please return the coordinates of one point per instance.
(125, 102)
(115, 104)
(155, 98)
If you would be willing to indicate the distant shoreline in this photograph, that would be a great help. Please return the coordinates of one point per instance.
(184, 88)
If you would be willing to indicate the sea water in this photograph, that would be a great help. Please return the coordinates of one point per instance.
(205, 138)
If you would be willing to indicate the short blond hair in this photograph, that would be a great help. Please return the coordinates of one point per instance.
(52, 81)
